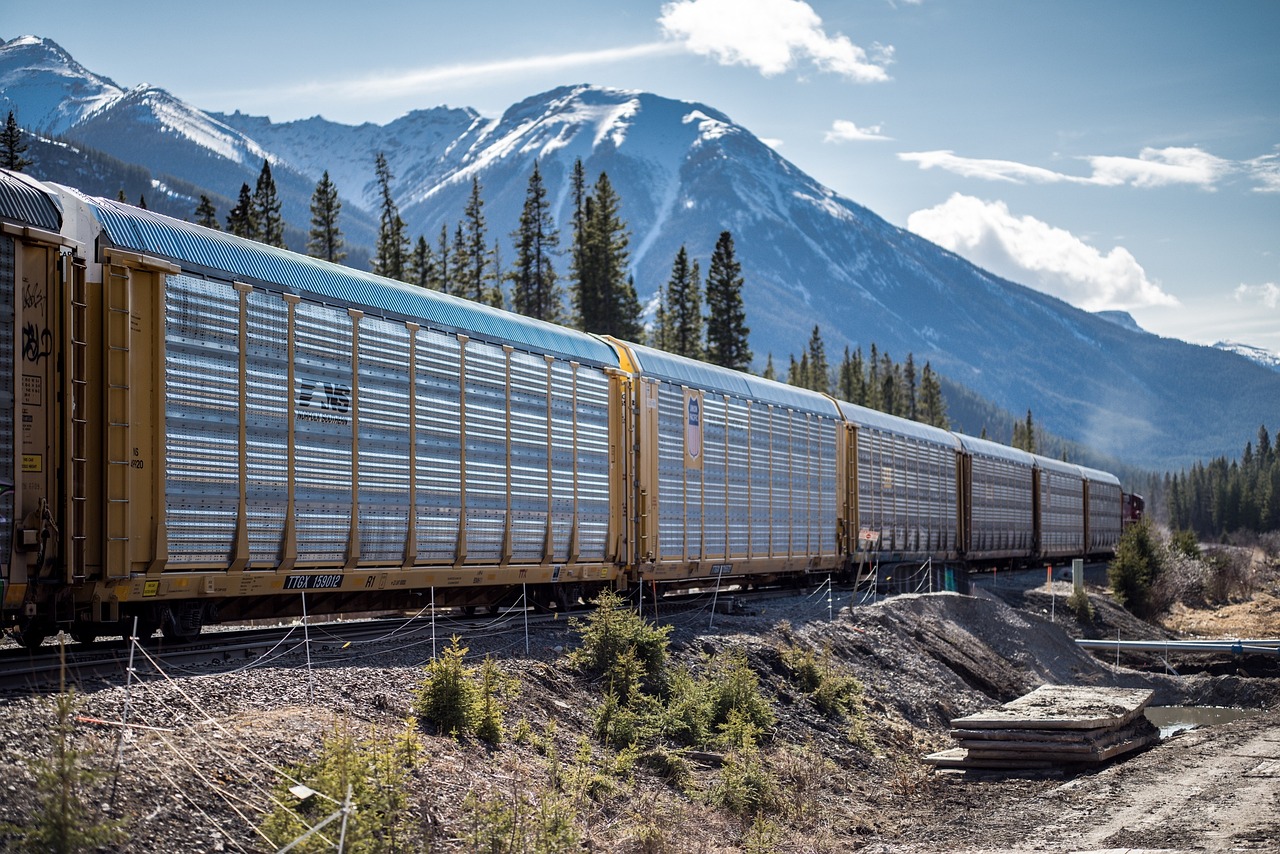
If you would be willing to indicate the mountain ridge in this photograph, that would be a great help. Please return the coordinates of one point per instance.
(685, 172)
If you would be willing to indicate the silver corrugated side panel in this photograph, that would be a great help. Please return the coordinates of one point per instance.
(202, 419)
(593, 463)
(384, 467)
(782, 508)
(714, 516)
(563, 458)
(439, 487)
(1001, 505)
(486, 440)
(266, 426)
(761, 478)
(672, 498)
(529, 459)
(322, 431)
(738, 477)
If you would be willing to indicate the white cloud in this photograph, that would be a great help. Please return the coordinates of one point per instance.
(1267, 293)
(1153, 167)
(770, 35)
(1266, 171)
(843, 130)
(1052, 260)
(415, 81)
(1161, 167)
(990, 170)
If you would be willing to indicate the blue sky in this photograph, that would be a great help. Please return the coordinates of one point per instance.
(1119, 155)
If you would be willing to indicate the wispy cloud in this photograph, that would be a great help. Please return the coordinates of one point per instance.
(1050, 259)
(990, 170)
(770, 35)
(843, 130)
(415, 81)
(1153, 167)
(1266, 294)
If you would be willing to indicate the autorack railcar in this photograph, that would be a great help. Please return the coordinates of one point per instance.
(201, 427)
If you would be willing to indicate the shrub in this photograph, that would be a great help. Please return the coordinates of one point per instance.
(835, 694)
(732, 688)
(1185, 543)
(618, 645)
(463, 700)
(61, 822)
(377, 776)
(1134, 568)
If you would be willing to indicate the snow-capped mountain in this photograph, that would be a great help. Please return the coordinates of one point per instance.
(685, 172)
(1266, 358)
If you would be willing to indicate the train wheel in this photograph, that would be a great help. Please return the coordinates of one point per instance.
(32, 635)
(182, 622)
(84, 633)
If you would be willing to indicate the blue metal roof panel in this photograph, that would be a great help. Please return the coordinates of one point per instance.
(23, 200)
(995, 449)
(679, 369)
(189, 245)
(865, 417)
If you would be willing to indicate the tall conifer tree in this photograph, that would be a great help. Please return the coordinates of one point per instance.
(325, 239)
(606, 295)
(422, 265)
(682, 313)
(535, 290)
(206, 214)
(12, 146)
(266, 208)
(240, 219)
(819, 370)
(392, 250)
(727, 330)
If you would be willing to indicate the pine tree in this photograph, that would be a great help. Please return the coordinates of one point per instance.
(206, 214)
(770, 372)
(458, 272)
(325, 239)
(577, 251)
(660, 336)
(473, 261)
(12, 146)
(911, 403)
(606, 297)
(392, 249)
(727, 330)
(266, 208)
(875, 389)
(142, 201)
(682, 332)
(535, 290)
(240, 220)
(890, 399)
(819, 375)
(493, 277)
(1024, 435)
(444, 269)
(933, 409)
(422, 265)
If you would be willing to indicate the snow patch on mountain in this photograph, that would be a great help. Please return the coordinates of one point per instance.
(1266, 358)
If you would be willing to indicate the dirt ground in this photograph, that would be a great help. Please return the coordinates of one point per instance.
(220, 738)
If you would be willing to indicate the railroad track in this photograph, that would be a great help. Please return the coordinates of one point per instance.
(108, 662)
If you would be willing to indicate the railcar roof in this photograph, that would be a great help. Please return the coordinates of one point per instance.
(995, 449)
(864, 417)
(22, 200)
(1099, 476)
(218, 254)
(1058, 465)
(684, 371)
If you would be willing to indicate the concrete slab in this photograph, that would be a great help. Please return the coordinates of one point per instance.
(1063, 707)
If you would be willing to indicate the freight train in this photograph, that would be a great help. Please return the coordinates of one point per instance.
(202, 428)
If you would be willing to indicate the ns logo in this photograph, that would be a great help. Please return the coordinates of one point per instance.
(329, 397)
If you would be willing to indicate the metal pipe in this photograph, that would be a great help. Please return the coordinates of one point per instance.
(1265, 646)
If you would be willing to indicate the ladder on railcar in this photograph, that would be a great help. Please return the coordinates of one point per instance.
(119, 452)
(78, 485)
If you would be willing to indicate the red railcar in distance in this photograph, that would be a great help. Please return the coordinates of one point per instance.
(1134, 506)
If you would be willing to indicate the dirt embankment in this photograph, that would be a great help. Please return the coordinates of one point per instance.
(201, 778)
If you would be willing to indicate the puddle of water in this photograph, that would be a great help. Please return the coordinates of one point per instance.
(1176, 719)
